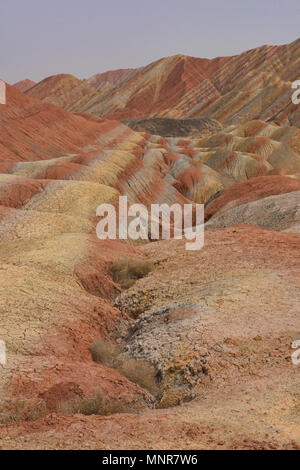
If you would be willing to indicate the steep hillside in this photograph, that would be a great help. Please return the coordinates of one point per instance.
(215, 325)
(156, 87)
(64, 90)
(253, 85)
(33, 130)
(74, 94)
(111, 79)
(24, 85)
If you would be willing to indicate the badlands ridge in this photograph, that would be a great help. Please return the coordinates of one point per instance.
(215, 325)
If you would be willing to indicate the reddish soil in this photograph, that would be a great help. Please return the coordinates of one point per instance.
(250, 190)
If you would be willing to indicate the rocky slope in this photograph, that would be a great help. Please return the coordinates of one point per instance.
(253, 85)
(220, 333)
(112, 78)
(64, 90)
(24, 85)
(217, 324)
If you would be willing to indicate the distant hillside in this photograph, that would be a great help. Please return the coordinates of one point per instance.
(253, 85)
(24, 85)
(111, 79)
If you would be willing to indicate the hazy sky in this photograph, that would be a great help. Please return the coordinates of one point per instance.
(39, 38)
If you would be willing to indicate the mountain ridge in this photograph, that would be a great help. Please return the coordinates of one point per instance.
(24, 85)
(254, 84)
(214, 325)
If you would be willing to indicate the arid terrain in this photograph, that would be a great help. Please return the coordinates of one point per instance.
(119, 345)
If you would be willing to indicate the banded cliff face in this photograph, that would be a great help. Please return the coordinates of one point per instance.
(253, 85)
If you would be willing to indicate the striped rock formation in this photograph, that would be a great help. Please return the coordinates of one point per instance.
(52, 264)
(64, 90)
(111, 79)
(56, 168)
(253, 85)
(217, 324)
(24, 85)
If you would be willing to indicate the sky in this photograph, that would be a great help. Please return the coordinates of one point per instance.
(39, 38)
